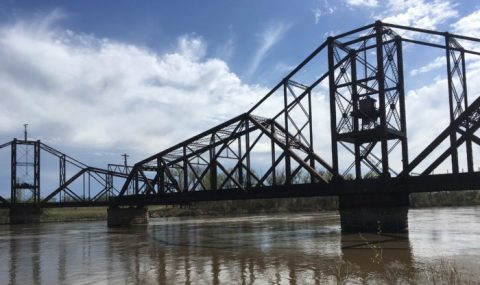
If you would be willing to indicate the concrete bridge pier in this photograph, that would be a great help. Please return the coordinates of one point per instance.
(25, 214)
(124, 217)
(374, 213)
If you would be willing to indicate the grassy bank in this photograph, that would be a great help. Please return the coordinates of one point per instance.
(248, 207)
(445, 199)
(310, 204)
(64, 214)
(73, 214)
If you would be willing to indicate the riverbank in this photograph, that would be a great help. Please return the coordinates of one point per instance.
(50, 215)
(310, 204)
(74, 214)
(251, 207)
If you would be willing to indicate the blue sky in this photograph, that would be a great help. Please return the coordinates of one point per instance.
(233, 31)
(97, 79)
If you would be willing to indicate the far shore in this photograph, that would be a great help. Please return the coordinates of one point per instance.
(251, 207)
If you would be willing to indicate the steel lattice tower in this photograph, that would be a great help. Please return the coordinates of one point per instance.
(363, 73)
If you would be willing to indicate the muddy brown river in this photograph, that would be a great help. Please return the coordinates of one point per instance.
(443, 245)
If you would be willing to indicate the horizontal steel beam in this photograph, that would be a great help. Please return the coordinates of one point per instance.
(408, 185)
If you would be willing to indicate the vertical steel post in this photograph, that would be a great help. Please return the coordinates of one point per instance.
(213, 165)
(13, 172)
(288, 169)
(310, 130)
(248, 150)
(137, 188)
(62, 175)
(453, 135)
(468, 141)
(161, 177)
(156, 183)
(333, 111)
(274, 174)
(83, 186)
(381, 96)
(36, 171)
(240, 163)
(89, 194)
(185, 169)
(401, 94)
(353, 73)
(108, 186)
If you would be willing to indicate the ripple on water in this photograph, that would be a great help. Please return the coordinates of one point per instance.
(263, 249)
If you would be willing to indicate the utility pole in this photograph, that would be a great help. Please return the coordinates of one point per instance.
(25, 131)
(125, 163)
(26, 148)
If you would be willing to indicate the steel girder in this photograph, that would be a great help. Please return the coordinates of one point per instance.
(194, 165)
(465, 126)
(221, 159)
(86, 185)
(457, 95)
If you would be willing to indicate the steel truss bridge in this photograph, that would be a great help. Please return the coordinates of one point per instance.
(78, 183)
(260, 154)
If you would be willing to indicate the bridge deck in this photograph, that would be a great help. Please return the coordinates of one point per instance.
(412, 184)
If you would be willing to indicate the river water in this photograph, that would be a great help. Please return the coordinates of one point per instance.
(442, 244)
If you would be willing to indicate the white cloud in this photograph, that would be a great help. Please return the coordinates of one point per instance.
(317, 13)
(468, 25)
(419, 13)
(103, 95)
(271, 36)
(436, 63)
(191, 47)
(326, 10)
(365, 3)
(82, 91)
(427, 115)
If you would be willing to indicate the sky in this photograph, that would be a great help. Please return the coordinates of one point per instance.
(97, 79)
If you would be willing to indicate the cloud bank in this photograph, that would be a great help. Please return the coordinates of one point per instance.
(108, 97)
(103, 95)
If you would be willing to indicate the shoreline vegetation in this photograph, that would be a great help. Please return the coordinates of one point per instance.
(310, 204)
(53, 215)
(251, 207)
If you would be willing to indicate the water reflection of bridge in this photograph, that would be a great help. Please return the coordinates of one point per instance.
(237, 251)
(269, 152)
(294, 248)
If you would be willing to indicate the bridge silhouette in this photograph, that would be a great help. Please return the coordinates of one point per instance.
(254, 156)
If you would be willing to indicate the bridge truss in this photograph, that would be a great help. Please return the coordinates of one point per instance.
(363, 68)
(269, 150)
(78, 183)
